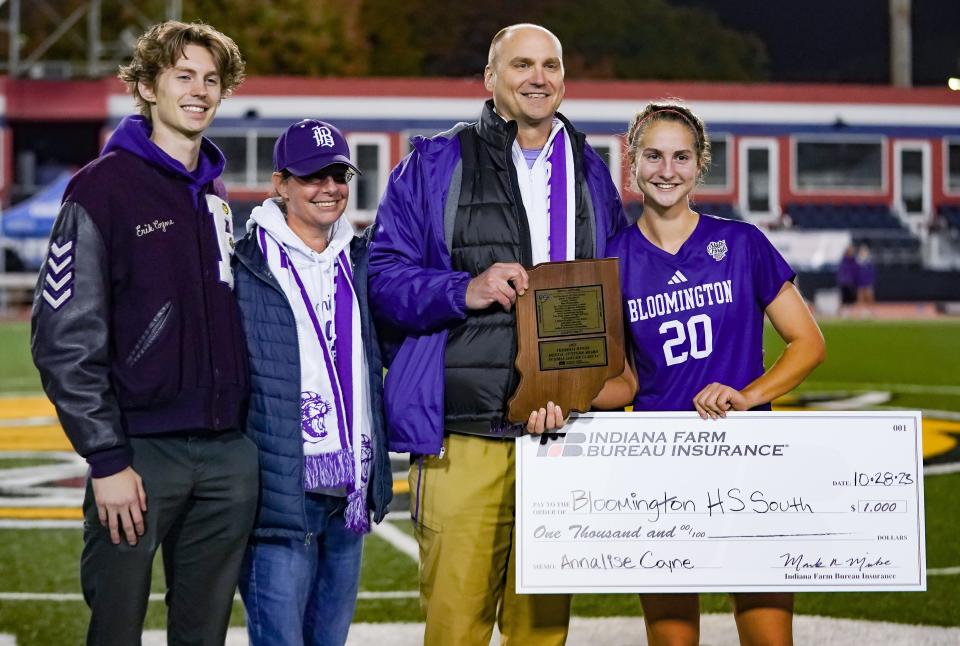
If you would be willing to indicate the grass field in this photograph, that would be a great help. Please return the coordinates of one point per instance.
(916, 362)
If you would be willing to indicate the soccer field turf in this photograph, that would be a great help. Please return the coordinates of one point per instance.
(915, 362)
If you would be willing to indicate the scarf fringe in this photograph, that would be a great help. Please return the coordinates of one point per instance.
(328, 469)
(357, 515)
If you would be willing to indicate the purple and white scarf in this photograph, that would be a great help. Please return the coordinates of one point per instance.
(334, 421)
(561, 200)
(547, 187)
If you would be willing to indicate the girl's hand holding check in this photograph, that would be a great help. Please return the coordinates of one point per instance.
(546, 419)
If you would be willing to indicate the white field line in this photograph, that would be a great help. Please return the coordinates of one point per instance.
(717, 630)
(63, 456)
(856, 402)
(23, 477)
(28, 421)
(398, 539)
(159, 596)
(948, 415)
(41, 497)
(362, 595)
(913, 389)
(941, 469)
(16, 523)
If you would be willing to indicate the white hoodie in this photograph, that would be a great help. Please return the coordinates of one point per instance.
(316, 270)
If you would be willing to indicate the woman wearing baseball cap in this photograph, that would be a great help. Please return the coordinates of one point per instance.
(316, 390)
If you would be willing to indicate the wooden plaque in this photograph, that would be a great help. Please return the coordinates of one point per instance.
(569, 335)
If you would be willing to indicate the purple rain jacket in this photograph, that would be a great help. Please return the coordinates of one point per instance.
(416, 295)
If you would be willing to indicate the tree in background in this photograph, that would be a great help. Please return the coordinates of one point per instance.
(291, 37)
(623, 39)
(649, 39)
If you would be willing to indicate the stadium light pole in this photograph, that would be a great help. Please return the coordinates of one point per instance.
(901, 44)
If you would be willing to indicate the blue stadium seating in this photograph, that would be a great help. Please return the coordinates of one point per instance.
(842, 216)
(951, 215)
(871, 224)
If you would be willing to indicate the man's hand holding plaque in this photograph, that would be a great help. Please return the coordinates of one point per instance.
(569, 340)
(502, 283)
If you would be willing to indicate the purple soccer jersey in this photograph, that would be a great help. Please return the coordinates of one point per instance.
(697, 317)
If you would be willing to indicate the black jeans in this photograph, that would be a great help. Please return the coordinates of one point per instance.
(201, 500)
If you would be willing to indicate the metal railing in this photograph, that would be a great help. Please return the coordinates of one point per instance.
(16, 292)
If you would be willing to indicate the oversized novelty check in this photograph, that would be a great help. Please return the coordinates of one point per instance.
(667, 502)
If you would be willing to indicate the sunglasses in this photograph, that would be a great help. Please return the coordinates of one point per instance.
(338, 175)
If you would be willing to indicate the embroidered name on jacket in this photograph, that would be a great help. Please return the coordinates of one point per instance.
(156, 225)
(58, 281)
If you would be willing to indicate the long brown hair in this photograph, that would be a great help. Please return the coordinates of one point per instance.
(669, 110)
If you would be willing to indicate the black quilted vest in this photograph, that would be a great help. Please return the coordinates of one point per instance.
(491, 226)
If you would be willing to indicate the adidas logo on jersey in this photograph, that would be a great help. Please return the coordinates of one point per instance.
(677, 278)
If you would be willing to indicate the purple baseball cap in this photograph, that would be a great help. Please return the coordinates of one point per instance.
(309, 146)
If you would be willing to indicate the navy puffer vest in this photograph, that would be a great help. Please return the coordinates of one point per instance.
(490, 227)
(273, 419)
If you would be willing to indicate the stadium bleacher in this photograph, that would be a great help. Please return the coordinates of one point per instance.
(951, 215)
(872, 224)
(845, 216)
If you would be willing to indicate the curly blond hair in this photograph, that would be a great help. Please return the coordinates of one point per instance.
(163, 45)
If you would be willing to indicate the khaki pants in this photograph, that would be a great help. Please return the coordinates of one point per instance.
(463, 511)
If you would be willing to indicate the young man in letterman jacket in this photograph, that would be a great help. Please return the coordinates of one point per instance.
(137, 337)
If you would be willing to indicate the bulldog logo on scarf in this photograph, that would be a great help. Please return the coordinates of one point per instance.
(313, 411)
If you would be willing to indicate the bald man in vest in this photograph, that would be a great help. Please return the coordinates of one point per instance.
(463, 217)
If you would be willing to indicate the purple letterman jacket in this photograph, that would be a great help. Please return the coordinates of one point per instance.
(416, 295)
(135, 327)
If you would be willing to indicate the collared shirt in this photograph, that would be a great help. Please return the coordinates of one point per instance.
(533, 190)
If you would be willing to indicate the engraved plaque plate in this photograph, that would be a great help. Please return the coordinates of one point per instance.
(578, 353)
(569, 310)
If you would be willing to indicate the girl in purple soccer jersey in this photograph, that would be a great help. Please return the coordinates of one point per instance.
(695, 291)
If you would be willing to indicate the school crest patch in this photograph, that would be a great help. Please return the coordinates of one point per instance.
(717, 250)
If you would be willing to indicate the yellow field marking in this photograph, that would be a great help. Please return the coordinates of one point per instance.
(20, 407)
(34, 438)
(936, 436)
(42, 513)
(939, 436)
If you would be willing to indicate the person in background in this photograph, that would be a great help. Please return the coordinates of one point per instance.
(316, 411)
(847, 279)
(137, 337)
(866, 278)
(708, 358)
